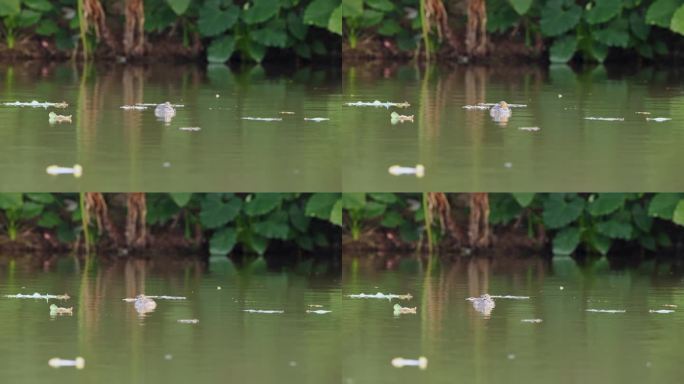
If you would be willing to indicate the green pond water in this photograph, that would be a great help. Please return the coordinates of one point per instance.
(465, 150)
(119, 345)
(130, 150)
(570, 345)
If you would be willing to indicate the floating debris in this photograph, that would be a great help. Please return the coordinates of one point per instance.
(129, 300)
(191, 129)
(508, 164)
(55, 310)
(316, 119)
(560, 96)
(661, 311)
(670, 305)
(605, 118)
(400, 362)
(643, 113)
(157, 104)
(378, 103)
(134, 107)
(536, 321)
(607, 310)
(530, 129)
(269, 311)
(561, 287)
(399, 310)
(315, 306)
(397, 170)
(188, 321)
(263, 118)
(389, 296)
(479, 106)
(397, 118)
(510, 297)
(55, 118)
(76, 170)
(511, 356)
(56, 362)
(318, 311)
(489, 105)
(658, 119)
(36, 104)
(287, 113)
(39, 296)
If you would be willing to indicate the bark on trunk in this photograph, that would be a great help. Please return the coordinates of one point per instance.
(96, 206)
(94, 16)
(136, 229)
(134, 33)
(476, 29)
(479, 234)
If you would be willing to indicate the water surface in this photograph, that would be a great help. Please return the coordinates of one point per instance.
(130, 150)
(119, 345)
(570, 345)
(465, 150)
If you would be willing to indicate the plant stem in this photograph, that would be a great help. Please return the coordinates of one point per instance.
(85, 220)
(426, 32)
(428, 222)
(82, 29)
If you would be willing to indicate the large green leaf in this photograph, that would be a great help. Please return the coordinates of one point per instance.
(296, 26)
(298, 218)
(275, 226)
(222, 241)
(38, 5)
(566, 241)
(214, 21)
(320, 205)
(602, 11)
(663, 205)
(9, 201)
(221, 49)
(261, 11)
(606, 203)
(556, 19)
(678, 215)
(352, 8)
(45, 198)
(521, 6)
(677, 23)
(637, 23)
(263, 203)
(181, 199)
(256, 51)
(178, 6)
(381, 5)
(563, 49)
(641, 218)
(353, 200)
(335, 22)
(600, 243)
(558, 212)
(215, 212)
(49, 219)
(336, 213)
(523, 199)
(615, 34)
(9, 7)
(318, 12)
(661, 11)
(270, 37)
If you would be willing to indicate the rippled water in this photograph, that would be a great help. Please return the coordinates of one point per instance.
(465, 150)
(119, 345)
(570, 345)
(131, 150)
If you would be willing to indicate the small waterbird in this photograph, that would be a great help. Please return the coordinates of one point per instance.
(144, 304)
(400, 362)
(56, 362)
(165, 112)
(483, 304)
(500, 112)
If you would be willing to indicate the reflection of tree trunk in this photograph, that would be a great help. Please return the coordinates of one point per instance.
(479, 235)
(134, 33)
(136, 230)
(476, 30)
(96, 206)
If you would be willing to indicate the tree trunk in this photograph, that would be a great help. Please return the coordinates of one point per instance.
(94, 16)
(479, 234)
(136, 229)
(134, 32)
(96, 206)
(476, 30)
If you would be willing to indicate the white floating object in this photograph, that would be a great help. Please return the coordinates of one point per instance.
(561, 287)
(218, 288)
(36, 104)
(670, 305)
(489, 105)
(560, 96)
(661, 311)
(509, 297)
(191, 129)
(508, 164)
(378, 103)
(56, 362)
(76, 170)
(168, 356)
(380, 295)
(479, 106)
(397, 170)
(511, 356)
(316, 119)
(400, 362)
(530, 129)
(535, 321)
(156, 104)
(134, 107)
(39, 296)
(607, 310)
(269, 311)
(217, 95)
(658, 119)
(318, 311)
(188, 321)
(263, 118)
(129, 299)
(605, 118)
(643, 113)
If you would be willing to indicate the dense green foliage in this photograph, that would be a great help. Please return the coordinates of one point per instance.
(227, 28)
(227, 220)
(592, 223)
(588, 29)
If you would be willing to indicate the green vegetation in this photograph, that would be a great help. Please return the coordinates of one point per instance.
(588, 30)
(225, 221)
(586, 223)
(226, 28)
